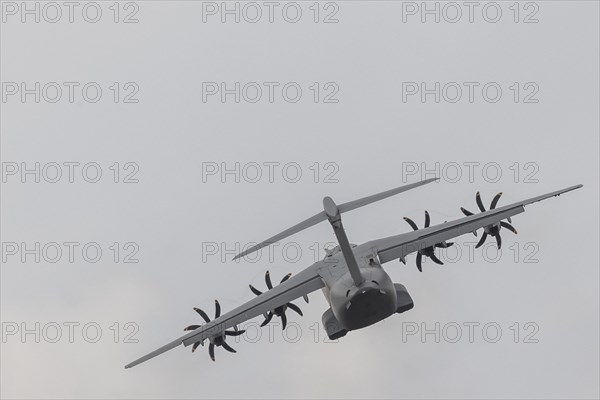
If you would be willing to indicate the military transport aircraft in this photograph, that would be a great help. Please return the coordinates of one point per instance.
(358, 290)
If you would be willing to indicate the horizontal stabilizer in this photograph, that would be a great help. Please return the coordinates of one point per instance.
(322, 216)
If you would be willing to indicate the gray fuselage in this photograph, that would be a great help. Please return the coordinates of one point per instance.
(357, 306)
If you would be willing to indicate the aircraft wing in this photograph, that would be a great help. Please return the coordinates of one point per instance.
(397, 247)
(297, 286)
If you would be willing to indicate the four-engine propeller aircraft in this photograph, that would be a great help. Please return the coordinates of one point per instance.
(358, 290)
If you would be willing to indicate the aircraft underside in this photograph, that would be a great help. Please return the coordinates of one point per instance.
(358, 307)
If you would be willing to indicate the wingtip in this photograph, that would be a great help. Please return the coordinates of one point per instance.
(579, 186)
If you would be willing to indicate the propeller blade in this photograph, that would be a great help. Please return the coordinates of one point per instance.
(235, 333)
(482, 240)
(411, 223)
(479, 202)
(228, 347)
(195, 346)
(268, 280)
(495, 201)
(202, 314)
(255, 290)
(427, 219)
(283, 321)
(419, 259)
(436, 260)
(217, 309)
(498, 241)
(192, 327)
(268, 319)
(466, 212)
(294, 307)
(509, 227)
(285, 278)
(211, 351)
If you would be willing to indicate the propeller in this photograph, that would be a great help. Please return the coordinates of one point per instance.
(494, 229)
(218, 340)
(427, 251)
(279, 311)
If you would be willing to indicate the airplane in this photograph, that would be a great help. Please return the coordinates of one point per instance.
(357, 288)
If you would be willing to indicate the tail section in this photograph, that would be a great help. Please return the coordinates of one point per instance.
(324, 215)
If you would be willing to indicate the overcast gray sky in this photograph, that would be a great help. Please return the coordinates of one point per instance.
(210, 134)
